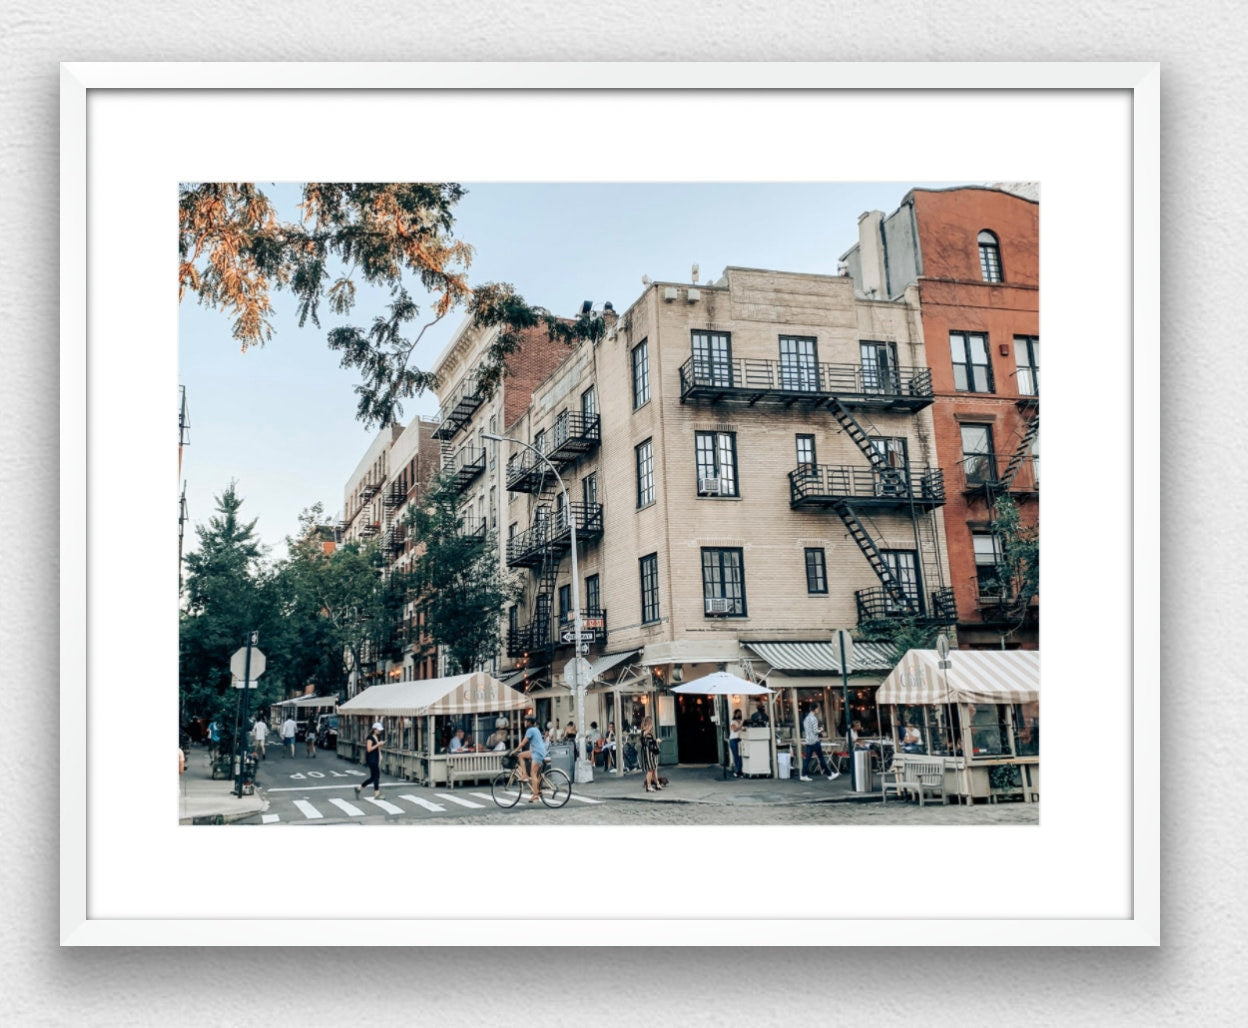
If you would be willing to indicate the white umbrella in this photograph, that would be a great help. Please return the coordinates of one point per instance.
(721, 683)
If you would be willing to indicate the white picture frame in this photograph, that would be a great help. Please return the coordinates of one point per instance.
(1088, 875)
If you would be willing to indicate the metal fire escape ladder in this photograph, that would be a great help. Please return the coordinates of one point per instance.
(1020, 453)
(893, 479)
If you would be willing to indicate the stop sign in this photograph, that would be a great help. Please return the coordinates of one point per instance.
(239, 660)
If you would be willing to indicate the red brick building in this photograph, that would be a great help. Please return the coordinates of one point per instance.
(974, 253)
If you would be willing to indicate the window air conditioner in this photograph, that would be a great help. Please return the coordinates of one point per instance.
(671, 293)
(708, 486)
(693, 295)
(719, 605)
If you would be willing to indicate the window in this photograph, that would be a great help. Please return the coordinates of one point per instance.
(716, 454)
(799, 367)
(493, 445)
(988, 558)
(972, 369)
(539, 441)
(511, 531)
(641, 375)
(593, 596)
(493, 507)
(589, 405)
(645, 474)
(806, 452)
(989, 257)
(890, 473)
(589, 491)
(816, 570)
(723, 583)
(565, 602)
(879, 367)
(712, 358)
(990, 731)
(904, 566)
(1027, 358)
(513, 621)
(978, 459)
(649, 588)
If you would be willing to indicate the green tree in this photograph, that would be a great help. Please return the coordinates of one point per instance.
(234, 251)
(228, 594)
(342, 605)
(1018, 573)
(458, 582)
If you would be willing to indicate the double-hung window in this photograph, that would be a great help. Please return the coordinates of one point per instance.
(904, 566)
(987, 563)
(641, 375)
(879, 367)
(723, 582)
(972, 366)
(593, 595)
(565, 603)
(712, 358)
(1027, 358)
(589, 492)
(645, 473)
(816, 570)
(978, 460)
(989, 257)
(799, 364)
(716, 454)
(649, 566)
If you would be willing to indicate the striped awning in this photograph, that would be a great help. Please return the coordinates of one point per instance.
(477, 693)
(308, 701)
(823, 657)
(973, 676)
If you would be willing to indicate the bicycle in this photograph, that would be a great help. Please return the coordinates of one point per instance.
(509, 785)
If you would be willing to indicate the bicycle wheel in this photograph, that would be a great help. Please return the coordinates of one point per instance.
(506, 789)
(555, 788)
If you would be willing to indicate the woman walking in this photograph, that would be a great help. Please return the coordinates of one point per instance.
(650, 755)
(372, 760)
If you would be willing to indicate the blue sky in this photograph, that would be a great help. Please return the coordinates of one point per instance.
(279, 419)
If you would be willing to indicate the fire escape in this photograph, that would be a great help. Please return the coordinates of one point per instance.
(543, 545)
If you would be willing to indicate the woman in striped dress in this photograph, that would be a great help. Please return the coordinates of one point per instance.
(649, 755)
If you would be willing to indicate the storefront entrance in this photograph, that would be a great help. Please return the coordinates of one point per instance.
(695, 732)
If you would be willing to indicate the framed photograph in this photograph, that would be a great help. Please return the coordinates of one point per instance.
(1086, 872)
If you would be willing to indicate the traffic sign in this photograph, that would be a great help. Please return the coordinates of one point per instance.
(569, 672)
(238, 663)
(238, 683)
(568, 637)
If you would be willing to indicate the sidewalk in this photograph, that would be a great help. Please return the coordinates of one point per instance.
(201, 800)
(702, 784)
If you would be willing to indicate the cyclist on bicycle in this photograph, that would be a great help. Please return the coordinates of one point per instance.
(532, 749)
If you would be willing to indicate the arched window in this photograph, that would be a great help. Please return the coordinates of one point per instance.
(989, 257)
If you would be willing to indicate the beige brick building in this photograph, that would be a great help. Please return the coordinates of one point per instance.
(751, 467)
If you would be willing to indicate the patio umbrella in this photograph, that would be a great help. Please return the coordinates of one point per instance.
(721, 683)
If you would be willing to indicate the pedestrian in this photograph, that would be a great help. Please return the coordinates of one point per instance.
(608, 749)
(289, 729)
(260, 732)
(214, 739)
(812, 747)
(735, 728)
(372, 761)
(309, 738)
(650, 755)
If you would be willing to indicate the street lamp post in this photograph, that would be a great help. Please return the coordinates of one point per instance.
(584, 770)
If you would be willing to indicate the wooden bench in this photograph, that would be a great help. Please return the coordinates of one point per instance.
(919, 777)
(472, 767)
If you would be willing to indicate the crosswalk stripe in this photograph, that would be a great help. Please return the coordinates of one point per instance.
(582, 799)
(456, 799)
(307, 810)
(420, 801)
(488, 797)
(389, 808)
(268, 819)
(347, 808)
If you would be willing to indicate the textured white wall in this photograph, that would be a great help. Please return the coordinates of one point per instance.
(1197, 975)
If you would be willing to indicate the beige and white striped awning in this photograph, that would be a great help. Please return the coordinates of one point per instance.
(973, 676)
(823, 657)
(477, 693)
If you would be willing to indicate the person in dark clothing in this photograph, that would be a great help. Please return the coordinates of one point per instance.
(372, 760)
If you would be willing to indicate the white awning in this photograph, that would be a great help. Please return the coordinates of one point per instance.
(973, 676)
(308, 701)
(605, 663)
(691, 651)
(515, 679)
(824, 656)
(477, 693)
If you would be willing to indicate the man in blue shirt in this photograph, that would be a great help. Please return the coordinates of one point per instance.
(532, 749)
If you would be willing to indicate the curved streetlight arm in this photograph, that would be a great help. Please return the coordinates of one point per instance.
(584, 773)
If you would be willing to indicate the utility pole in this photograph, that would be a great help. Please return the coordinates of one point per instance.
(184, 439)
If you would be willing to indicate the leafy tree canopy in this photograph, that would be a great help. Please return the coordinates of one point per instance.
(233, 251)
